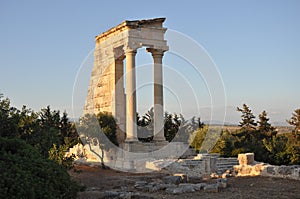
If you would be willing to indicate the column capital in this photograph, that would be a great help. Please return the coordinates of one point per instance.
(118, 62)
(129, 50)
(156, 52)
(120, 59)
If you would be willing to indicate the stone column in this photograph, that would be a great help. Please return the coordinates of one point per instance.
(119, 100)
(131, 126)
(158, 94)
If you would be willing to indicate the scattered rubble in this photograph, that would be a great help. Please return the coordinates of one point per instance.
(185, 182)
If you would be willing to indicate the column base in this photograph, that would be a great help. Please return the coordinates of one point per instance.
(159, 139)
(129, 140)
(130, 145)
(160, 142)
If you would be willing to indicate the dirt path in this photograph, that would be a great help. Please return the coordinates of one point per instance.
(98, 181)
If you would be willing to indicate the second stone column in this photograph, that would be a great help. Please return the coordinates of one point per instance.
(131, 128)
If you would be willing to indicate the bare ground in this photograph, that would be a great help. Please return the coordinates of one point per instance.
(98, 180)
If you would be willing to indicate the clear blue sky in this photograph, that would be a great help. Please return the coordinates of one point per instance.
(255, 44)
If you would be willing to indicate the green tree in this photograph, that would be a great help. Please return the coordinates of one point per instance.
(197, 137)
(145, 126)
(227, 145)
(98, 133)
(9, 117)
(265, 128)
(42, 130)
(295, 121)
(27, 124)
(108, 126)
(170, 127)
(276, 148)
(248, 121)
(263, 123)
(47, 132)
(25, 173)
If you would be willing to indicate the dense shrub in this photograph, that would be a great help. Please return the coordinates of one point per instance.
(108, 126)
(25, 173)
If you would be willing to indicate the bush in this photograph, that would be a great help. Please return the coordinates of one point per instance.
(197, 138)
(25, 173)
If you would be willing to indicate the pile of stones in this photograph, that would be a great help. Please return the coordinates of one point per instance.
(179, 183)
(176, 184)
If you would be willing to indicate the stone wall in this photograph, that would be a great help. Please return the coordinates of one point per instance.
(202, 164)
(224, 164)
(248, 167)
(291, 172)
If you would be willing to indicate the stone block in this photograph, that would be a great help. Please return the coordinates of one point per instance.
(139, 196)
(296, 173)
(171, 179)
(285, 170)
(184, 178)
(159, 187)
(271, 170)
(199, 186)
(222, 182)
(140, 184)
(174, 190)
(194, 179)
(182, 188)
(211, 188)
(214, 175)
(226, 175)
(187, 188)
(246, 158)
(111, 194)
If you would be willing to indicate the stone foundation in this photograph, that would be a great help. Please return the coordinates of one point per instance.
(134, 157)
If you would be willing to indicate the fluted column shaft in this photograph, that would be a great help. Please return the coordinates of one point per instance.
(158, 95)
(131, 128)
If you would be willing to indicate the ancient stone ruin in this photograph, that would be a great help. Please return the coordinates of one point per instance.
(107, 92)
(110, 92)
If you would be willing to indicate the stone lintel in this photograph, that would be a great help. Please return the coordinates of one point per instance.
(154, 23)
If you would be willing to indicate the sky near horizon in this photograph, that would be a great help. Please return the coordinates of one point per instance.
(254, 44)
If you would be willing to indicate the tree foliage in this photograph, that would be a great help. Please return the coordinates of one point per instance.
(176, 127)
(145, 126)
(25, 173)
(108, 126)
(32, 156)
(263, 124)
(295, 121)
(248, 119)
(264, 141)
(197, 137)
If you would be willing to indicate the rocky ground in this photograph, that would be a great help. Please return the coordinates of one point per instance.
(106, 183)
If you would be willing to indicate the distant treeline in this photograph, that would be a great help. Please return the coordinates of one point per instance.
(259, 137)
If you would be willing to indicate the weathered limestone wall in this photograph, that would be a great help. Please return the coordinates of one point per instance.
(249, 167)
